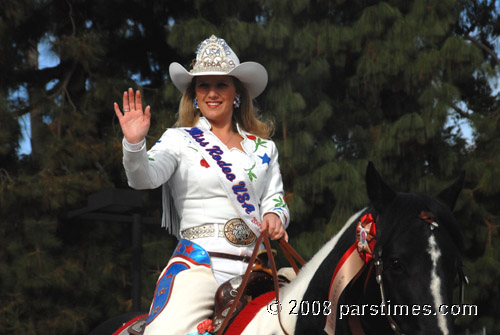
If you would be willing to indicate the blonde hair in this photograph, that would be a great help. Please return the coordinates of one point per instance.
(246, 115)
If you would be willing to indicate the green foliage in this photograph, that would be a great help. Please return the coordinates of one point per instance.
(349, 82)
(9, 135)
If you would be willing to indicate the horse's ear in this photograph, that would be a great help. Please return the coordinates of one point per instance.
(450, 195)
(379, 193)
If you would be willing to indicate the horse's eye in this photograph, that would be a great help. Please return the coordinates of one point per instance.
(396, 266)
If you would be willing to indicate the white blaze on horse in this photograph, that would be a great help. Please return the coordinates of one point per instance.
(390, 270)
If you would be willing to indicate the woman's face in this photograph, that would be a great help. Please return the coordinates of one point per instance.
(215, 97)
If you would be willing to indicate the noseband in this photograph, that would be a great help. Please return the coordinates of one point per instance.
(430, 219)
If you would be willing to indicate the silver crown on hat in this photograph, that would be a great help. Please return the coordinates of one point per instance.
(214, 55)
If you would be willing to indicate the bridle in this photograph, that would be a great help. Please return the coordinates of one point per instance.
(429, 218)
(379, 268)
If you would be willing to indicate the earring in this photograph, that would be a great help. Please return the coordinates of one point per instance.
(237, 101)
(195, 102)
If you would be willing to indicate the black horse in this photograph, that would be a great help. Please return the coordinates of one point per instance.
(411, 250)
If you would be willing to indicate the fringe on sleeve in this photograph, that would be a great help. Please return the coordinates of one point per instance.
(170, 219)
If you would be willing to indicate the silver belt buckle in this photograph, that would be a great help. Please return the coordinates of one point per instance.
(238, 233)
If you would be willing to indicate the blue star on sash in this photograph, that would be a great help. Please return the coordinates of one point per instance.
(265, 159)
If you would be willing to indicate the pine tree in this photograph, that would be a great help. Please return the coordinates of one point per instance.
(59, 276)
(349, 81)
(479, 213)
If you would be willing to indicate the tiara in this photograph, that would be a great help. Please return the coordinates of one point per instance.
(214, 54)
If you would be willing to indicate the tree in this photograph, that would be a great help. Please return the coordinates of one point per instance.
(481, 106)
(56, 279)
(349, 81)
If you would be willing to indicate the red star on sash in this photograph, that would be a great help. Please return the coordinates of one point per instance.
(178, 249)
(169, 276)
(188, 249)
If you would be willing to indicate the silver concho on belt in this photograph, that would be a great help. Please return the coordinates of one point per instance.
(237, 233)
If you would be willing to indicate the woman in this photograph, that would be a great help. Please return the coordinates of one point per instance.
(221, 181)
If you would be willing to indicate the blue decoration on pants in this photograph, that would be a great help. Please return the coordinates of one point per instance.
(185, 251)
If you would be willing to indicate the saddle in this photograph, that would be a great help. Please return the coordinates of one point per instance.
(233, 295)
(260, 281)
(138, 327)
(289, 253)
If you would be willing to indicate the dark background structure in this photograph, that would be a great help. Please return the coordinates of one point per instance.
(349, 81)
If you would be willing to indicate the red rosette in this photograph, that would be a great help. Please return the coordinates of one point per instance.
(366, 232)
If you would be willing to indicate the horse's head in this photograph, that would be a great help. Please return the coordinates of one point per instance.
(417, 255)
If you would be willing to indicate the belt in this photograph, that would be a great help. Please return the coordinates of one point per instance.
(206, 230)
(235, 231)
(229, 256)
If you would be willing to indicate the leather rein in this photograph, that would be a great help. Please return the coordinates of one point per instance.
(289, 253)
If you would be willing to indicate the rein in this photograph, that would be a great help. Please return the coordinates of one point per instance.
(290, 254)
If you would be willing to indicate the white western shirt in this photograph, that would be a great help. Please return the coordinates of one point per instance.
(193, 182)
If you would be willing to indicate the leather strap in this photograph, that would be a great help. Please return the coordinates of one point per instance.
(379, 268)
(246, 276)
(290, 254)
(275, 278)
(229, 256)
(244, 282)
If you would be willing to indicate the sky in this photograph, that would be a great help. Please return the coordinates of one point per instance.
(46, 58)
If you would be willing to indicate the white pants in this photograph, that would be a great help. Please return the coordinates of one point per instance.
(185, 291)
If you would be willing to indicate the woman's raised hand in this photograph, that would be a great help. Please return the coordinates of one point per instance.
(134, 123)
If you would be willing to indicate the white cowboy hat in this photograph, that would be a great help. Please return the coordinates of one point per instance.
(215, 57)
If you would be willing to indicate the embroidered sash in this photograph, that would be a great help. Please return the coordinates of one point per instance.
(236, 184)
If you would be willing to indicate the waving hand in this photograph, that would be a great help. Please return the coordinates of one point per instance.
(133, 121)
